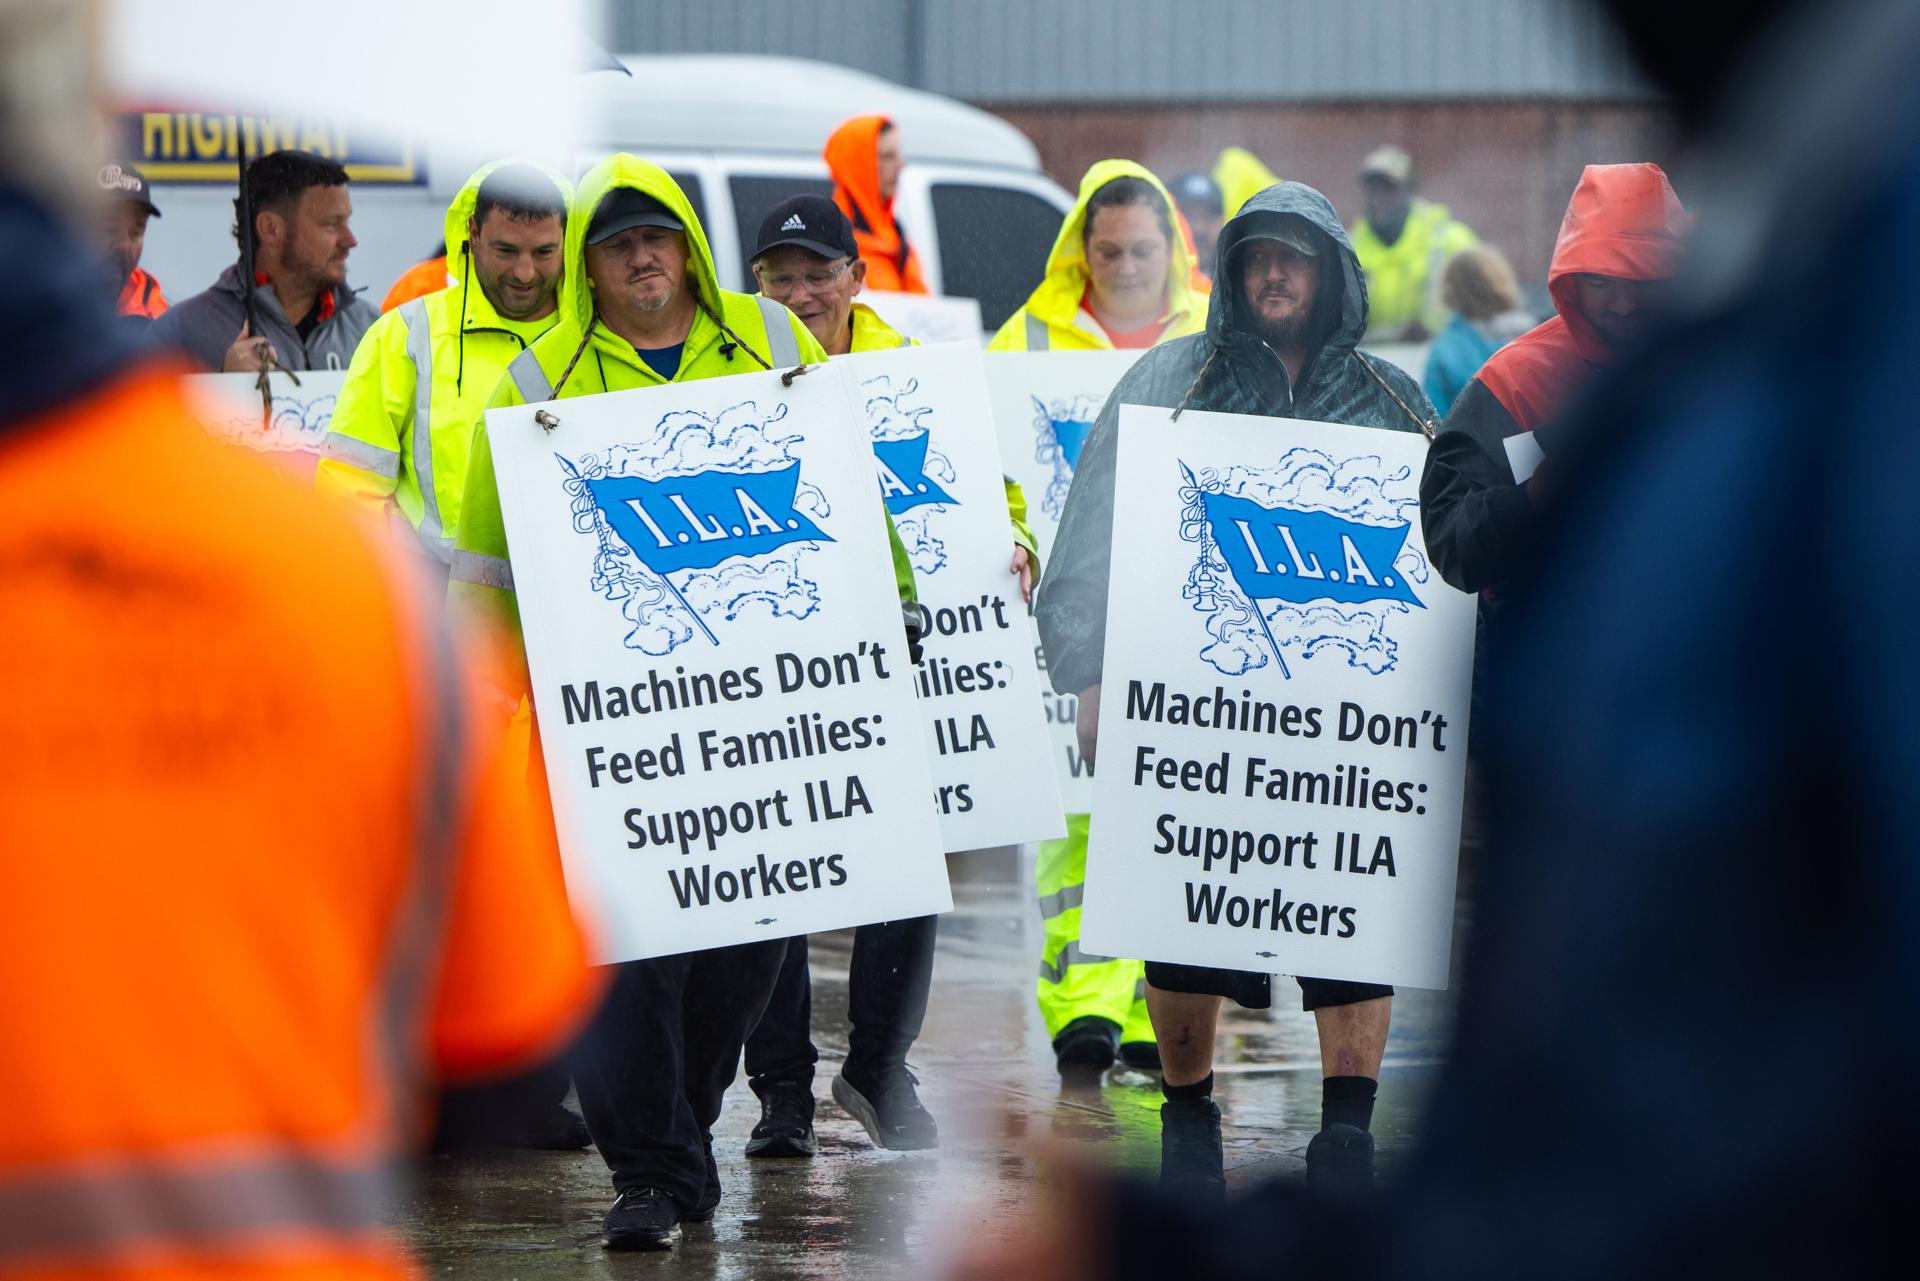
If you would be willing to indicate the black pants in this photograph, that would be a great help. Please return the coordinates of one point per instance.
(887, 987)
(659, 1059)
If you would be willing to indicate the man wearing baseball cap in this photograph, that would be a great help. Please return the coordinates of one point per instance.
(127, 203)
(807, 259)
(1404, 244)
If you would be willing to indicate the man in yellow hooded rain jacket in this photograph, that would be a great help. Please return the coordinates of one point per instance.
(640, 306)
(1118, 277)
(419, 380)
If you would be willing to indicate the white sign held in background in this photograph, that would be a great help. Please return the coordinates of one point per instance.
(228, 405)
(928, 318)
(1283, 728)
(719, 665)
(1044, 404)
(927, 411)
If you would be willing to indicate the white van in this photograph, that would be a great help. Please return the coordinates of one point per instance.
(740, 134)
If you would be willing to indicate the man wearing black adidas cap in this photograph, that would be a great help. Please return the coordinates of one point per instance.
(126, 204)
(807, 260)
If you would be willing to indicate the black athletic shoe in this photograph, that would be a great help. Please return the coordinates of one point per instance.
(702, 1212)
(1141, 1056)
(640, 1219)
(554, 1128)
(786, 1122)
(1085, 1048)
(1191, 1161)
(1340, 1161)
(889, 1107)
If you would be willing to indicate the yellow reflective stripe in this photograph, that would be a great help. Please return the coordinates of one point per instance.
(361, 454)
(413, 315)
(483, 570)
(1070, 955)
(1052, 905)
(1037, 337)
(99, 1212)
(529, 379)
(782, 347)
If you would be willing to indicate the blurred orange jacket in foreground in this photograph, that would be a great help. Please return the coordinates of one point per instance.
(261, 888)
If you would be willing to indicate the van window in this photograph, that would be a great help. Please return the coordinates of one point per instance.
(690, 183)
(993, 245)
(755, 196)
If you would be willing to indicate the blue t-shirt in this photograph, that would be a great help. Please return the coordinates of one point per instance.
(664, 361)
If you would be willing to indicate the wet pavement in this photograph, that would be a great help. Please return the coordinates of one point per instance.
(986, 1073)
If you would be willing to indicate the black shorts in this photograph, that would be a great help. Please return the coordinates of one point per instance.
(1255, 991)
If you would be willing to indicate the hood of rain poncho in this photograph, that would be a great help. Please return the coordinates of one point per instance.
(1057, 299)
(1624, 221)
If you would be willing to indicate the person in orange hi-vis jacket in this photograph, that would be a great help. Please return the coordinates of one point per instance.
(417, 281)
(864, 157)
(265, 882)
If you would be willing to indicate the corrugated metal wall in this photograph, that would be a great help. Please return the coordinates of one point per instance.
(1173, 51)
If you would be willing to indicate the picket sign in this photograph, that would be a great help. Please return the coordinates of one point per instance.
(1283, 728)
(927, 412)
(228, 406)
(1044, 405)
(928, 318)
(719, 663)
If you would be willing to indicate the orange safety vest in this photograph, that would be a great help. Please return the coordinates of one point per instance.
(263, 886)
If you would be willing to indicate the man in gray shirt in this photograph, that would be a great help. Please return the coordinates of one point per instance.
(303, 311)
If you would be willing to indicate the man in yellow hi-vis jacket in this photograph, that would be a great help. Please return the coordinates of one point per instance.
(419, 380)
(640, 306)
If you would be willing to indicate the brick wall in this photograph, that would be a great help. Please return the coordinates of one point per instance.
(1505, 169)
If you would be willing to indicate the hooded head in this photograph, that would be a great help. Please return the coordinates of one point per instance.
(853, 157)
(460, 219)
(618, 171)
(1340, 303)
(1057, 299)
(1623, 222)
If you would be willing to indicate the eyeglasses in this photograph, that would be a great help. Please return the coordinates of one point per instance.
(781, 282)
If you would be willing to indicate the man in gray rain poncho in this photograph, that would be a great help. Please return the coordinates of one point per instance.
(1289, 305)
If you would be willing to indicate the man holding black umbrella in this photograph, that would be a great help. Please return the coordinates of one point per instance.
(301, 314)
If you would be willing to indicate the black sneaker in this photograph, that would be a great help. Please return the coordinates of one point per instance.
(889, 1107)
(1191, 1161)
(640, 1219)
(786, 1122)
(1340, 1161)
(553, 1128)
(1141, 1056)
(1085, 1048)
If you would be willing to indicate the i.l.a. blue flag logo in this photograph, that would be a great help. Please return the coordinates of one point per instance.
(1071, 435)
(904, 482)
(1275, 553)
(697, 521)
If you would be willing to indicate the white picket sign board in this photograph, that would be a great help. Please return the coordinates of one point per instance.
(228, 406)
(719, 664)
(1044, 404)
(939, 465)
(1283, 709)
(928, 318)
